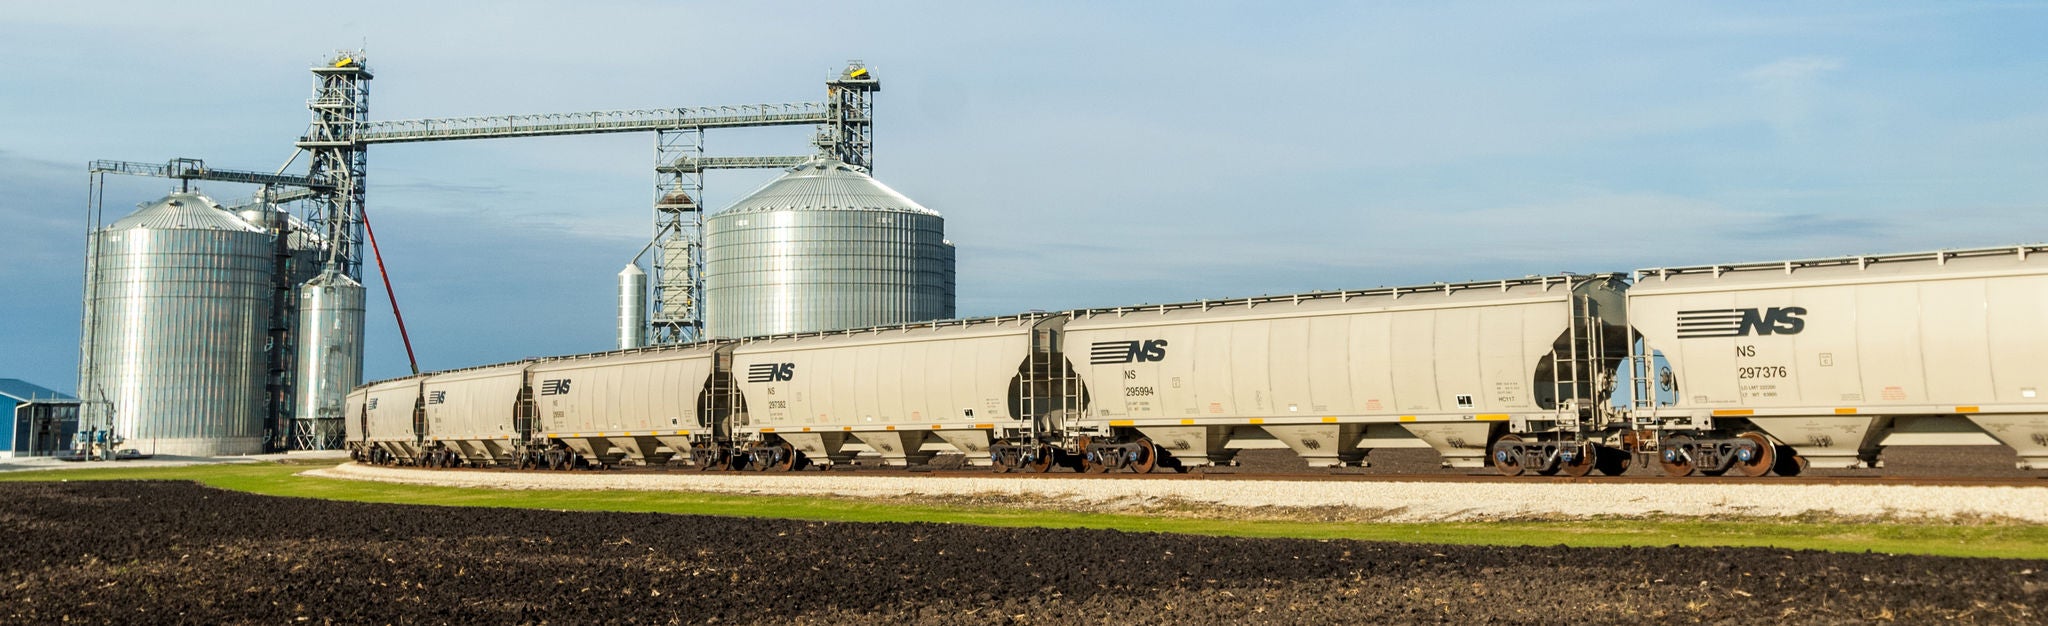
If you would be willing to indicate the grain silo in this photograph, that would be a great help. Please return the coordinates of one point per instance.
(330, 359)
(178, 310)
(824, 247)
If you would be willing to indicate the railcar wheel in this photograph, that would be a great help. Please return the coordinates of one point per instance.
(710, 459)
(788, 460)
(1148, 456)
(1089, 464)
(1005, 458)
(1676, 456)
(1047, 456)
(1766, 456)
(1506, 458)
(1586, 455)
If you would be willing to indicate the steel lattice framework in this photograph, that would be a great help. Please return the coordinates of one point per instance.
(341, 133)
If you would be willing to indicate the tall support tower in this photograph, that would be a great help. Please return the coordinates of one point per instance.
(340, 107)
(850, 103)
(678, 235)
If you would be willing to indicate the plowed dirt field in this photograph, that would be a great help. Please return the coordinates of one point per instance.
(162, 552)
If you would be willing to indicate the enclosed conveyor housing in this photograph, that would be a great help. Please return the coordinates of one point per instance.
(477, 413)
(643, 405)
(1332, 375)
(903, 393)
(1841, 357)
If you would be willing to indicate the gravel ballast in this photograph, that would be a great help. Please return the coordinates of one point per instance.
(1388, 500)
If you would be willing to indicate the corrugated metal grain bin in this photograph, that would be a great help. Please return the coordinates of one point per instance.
(177, 321)
(330, 360)
(824, 247)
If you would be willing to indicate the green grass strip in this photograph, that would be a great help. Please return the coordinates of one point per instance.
(1987, 539)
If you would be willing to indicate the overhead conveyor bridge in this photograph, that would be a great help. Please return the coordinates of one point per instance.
(195, 169)
(594, 122)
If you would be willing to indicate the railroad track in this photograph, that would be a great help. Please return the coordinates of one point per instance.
(1342, 475)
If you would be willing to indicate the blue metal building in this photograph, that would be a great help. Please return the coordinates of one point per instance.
(40, 422)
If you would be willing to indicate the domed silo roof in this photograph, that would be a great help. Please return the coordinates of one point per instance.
(826, 185)
(184, 211)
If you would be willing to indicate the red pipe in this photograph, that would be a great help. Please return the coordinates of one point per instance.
(388, 294)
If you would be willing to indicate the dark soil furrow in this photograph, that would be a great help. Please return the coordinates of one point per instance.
(180, 553)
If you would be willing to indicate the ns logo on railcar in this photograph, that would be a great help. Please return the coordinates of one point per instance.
(1133, 351)
(771, 372)
(1705, 323)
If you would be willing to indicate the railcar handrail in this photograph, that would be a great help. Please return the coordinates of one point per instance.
(1860, 261)
(1544, 281)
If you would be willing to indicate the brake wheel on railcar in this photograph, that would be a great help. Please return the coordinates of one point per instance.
(1675, 456)
(1506, 459)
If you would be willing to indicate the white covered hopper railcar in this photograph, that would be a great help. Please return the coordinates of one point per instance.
(1838, 358)
(903, 392)
(1332, 375)
(390, 418)
(467, 412)
(642, 405)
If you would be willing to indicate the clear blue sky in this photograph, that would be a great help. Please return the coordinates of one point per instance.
(1084, 154)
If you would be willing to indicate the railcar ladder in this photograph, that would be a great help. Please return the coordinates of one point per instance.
(1575, 368)
(1642, 393)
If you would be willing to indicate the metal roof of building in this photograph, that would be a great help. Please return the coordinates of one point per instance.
(22, 391)
(826, 184)
(185, 211)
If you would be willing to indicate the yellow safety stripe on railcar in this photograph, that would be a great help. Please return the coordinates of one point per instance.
(1732, 412)
(1966, 409)
(1491, 417)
